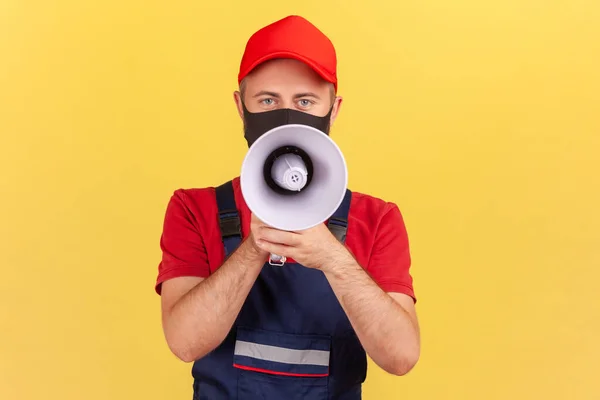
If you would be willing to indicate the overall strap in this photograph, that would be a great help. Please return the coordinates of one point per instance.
(229, 218)
(338, 222)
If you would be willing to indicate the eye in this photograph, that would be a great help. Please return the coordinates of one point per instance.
(267, 102)
(305, 103)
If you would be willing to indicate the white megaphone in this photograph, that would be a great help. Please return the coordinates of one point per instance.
(293, 177)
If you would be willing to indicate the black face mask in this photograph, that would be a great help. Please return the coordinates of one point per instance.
(256, 124)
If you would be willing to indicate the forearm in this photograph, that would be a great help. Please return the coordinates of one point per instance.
(386, 330)
(202, 318)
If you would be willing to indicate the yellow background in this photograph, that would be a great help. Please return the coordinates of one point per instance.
(481, 119)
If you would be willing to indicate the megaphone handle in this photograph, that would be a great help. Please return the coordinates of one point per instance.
(274, 259)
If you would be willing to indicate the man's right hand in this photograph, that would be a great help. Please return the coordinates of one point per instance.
(198, 313)
(255, 233)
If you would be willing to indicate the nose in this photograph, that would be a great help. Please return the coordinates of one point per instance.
(286, 103)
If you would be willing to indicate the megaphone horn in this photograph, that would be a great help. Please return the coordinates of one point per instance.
(293, 178)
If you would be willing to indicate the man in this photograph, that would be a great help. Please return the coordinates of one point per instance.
(301, 330)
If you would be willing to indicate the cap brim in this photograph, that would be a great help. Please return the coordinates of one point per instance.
(327, 76)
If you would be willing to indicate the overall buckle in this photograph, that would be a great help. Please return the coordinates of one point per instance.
(276, 260)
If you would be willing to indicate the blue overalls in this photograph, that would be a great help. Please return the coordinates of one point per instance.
(291, 339)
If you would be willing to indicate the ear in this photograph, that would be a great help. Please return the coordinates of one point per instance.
(237, 97)
(337, 104)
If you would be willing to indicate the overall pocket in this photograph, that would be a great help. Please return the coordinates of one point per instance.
(274, 365)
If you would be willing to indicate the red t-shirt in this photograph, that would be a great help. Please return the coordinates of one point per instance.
(191, 239)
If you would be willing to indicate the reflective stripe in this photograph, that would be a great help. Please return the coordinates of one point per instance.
(281, 354)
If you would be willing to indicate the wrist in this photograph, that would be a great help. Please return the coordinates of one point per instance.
(250, 252)
(341, 264)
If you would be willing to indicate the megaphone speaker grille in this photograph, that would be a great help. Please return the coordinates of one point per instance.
(288, 169)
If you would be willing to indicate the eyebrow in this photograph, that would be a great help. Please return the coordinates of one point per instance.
(266, 93)
(307, 94)
(277, 95)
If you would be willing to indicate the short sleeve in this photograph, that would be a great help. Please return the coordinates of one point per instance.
(390, 260)
(183, 250)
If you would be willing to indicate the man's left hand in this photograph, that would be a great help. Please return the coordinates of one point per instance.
(314, 248)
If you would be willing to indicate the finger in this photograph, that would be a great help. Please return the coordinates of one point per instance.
(281, 237)
(309, 231)
(275, 248)
(256, 221)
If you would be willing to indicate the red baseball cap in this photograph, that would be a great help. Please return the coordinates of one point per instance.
(291, 37)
